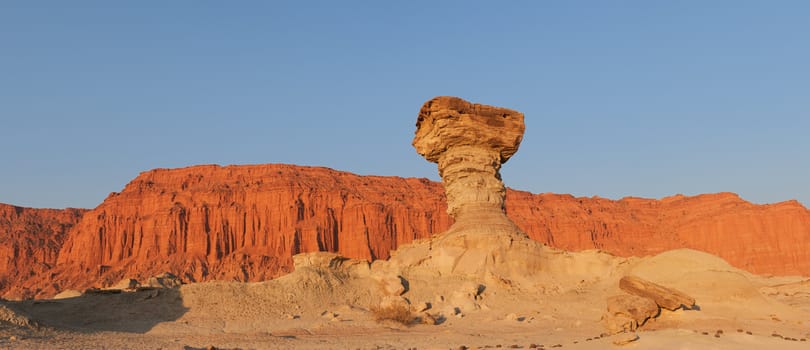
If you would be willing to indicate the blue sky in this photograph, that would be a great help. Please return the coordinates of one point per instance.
(622, 98)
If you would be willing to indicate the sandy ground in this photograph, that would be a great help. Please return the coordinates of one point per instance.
(324, 308)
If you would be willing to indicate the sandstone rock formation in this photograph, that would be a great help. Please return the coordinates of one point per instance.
(626, 313)
(245, 222)
(241, 223)
(664, 297)
(30, 240)
(469, 142)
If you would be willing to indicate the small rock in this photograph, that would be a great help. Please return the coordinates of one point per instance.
(428, 319)
(395, 301)
(419, 307)
(624, 338)
(126, 284)
(391, 285)
(12, 338)
(164, 280)
(749, 333)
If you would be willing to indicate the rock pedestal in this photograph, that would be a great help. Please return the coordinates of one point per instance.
(470, 142)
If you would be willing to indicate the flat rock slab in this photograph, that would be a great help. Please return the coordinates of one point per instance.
(665, 297)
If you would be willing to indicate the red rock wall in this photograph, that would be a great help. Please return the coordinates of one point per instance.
(245, 222)
(764, 239)
(30, 240)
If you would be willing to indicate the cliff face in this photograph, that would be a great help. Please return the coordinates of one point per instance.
(30, 240)
(245, 223)
(764, 239)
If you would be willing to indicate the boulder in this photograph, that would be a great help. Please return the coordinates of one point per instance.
(627, 312)
(126, 284)
(421, 306)
(666, 298)
(391, 285)
(622, 339)
(164, 280)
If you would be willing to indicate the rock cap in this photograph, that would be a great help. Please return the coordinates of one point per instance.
(445, 122)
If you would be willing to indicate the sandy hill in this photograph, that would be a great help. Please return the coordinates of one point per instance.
(328, 302)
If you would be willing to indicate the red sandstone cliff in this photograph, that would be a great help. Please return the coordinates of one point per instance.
(30, 240)
(764, 239)
(245, 222)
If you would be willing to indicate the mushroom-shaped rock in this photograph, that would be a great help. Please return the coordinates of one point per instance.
(469, 142)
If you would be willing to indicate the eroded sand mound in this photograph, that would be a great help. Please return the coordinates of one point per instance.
(329, 302)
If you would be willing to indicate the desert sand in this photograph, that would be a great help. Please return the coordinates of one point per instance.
(483, 283)
(322, 307)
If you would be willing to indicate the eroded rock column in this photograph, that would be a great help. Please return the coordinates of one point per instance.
(469, 142)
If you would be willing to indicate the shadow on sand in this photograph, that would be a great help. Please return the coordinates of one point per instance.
(133, 312)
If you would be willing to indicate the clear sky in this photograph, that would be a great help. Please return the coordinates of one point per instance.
(622, 98)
